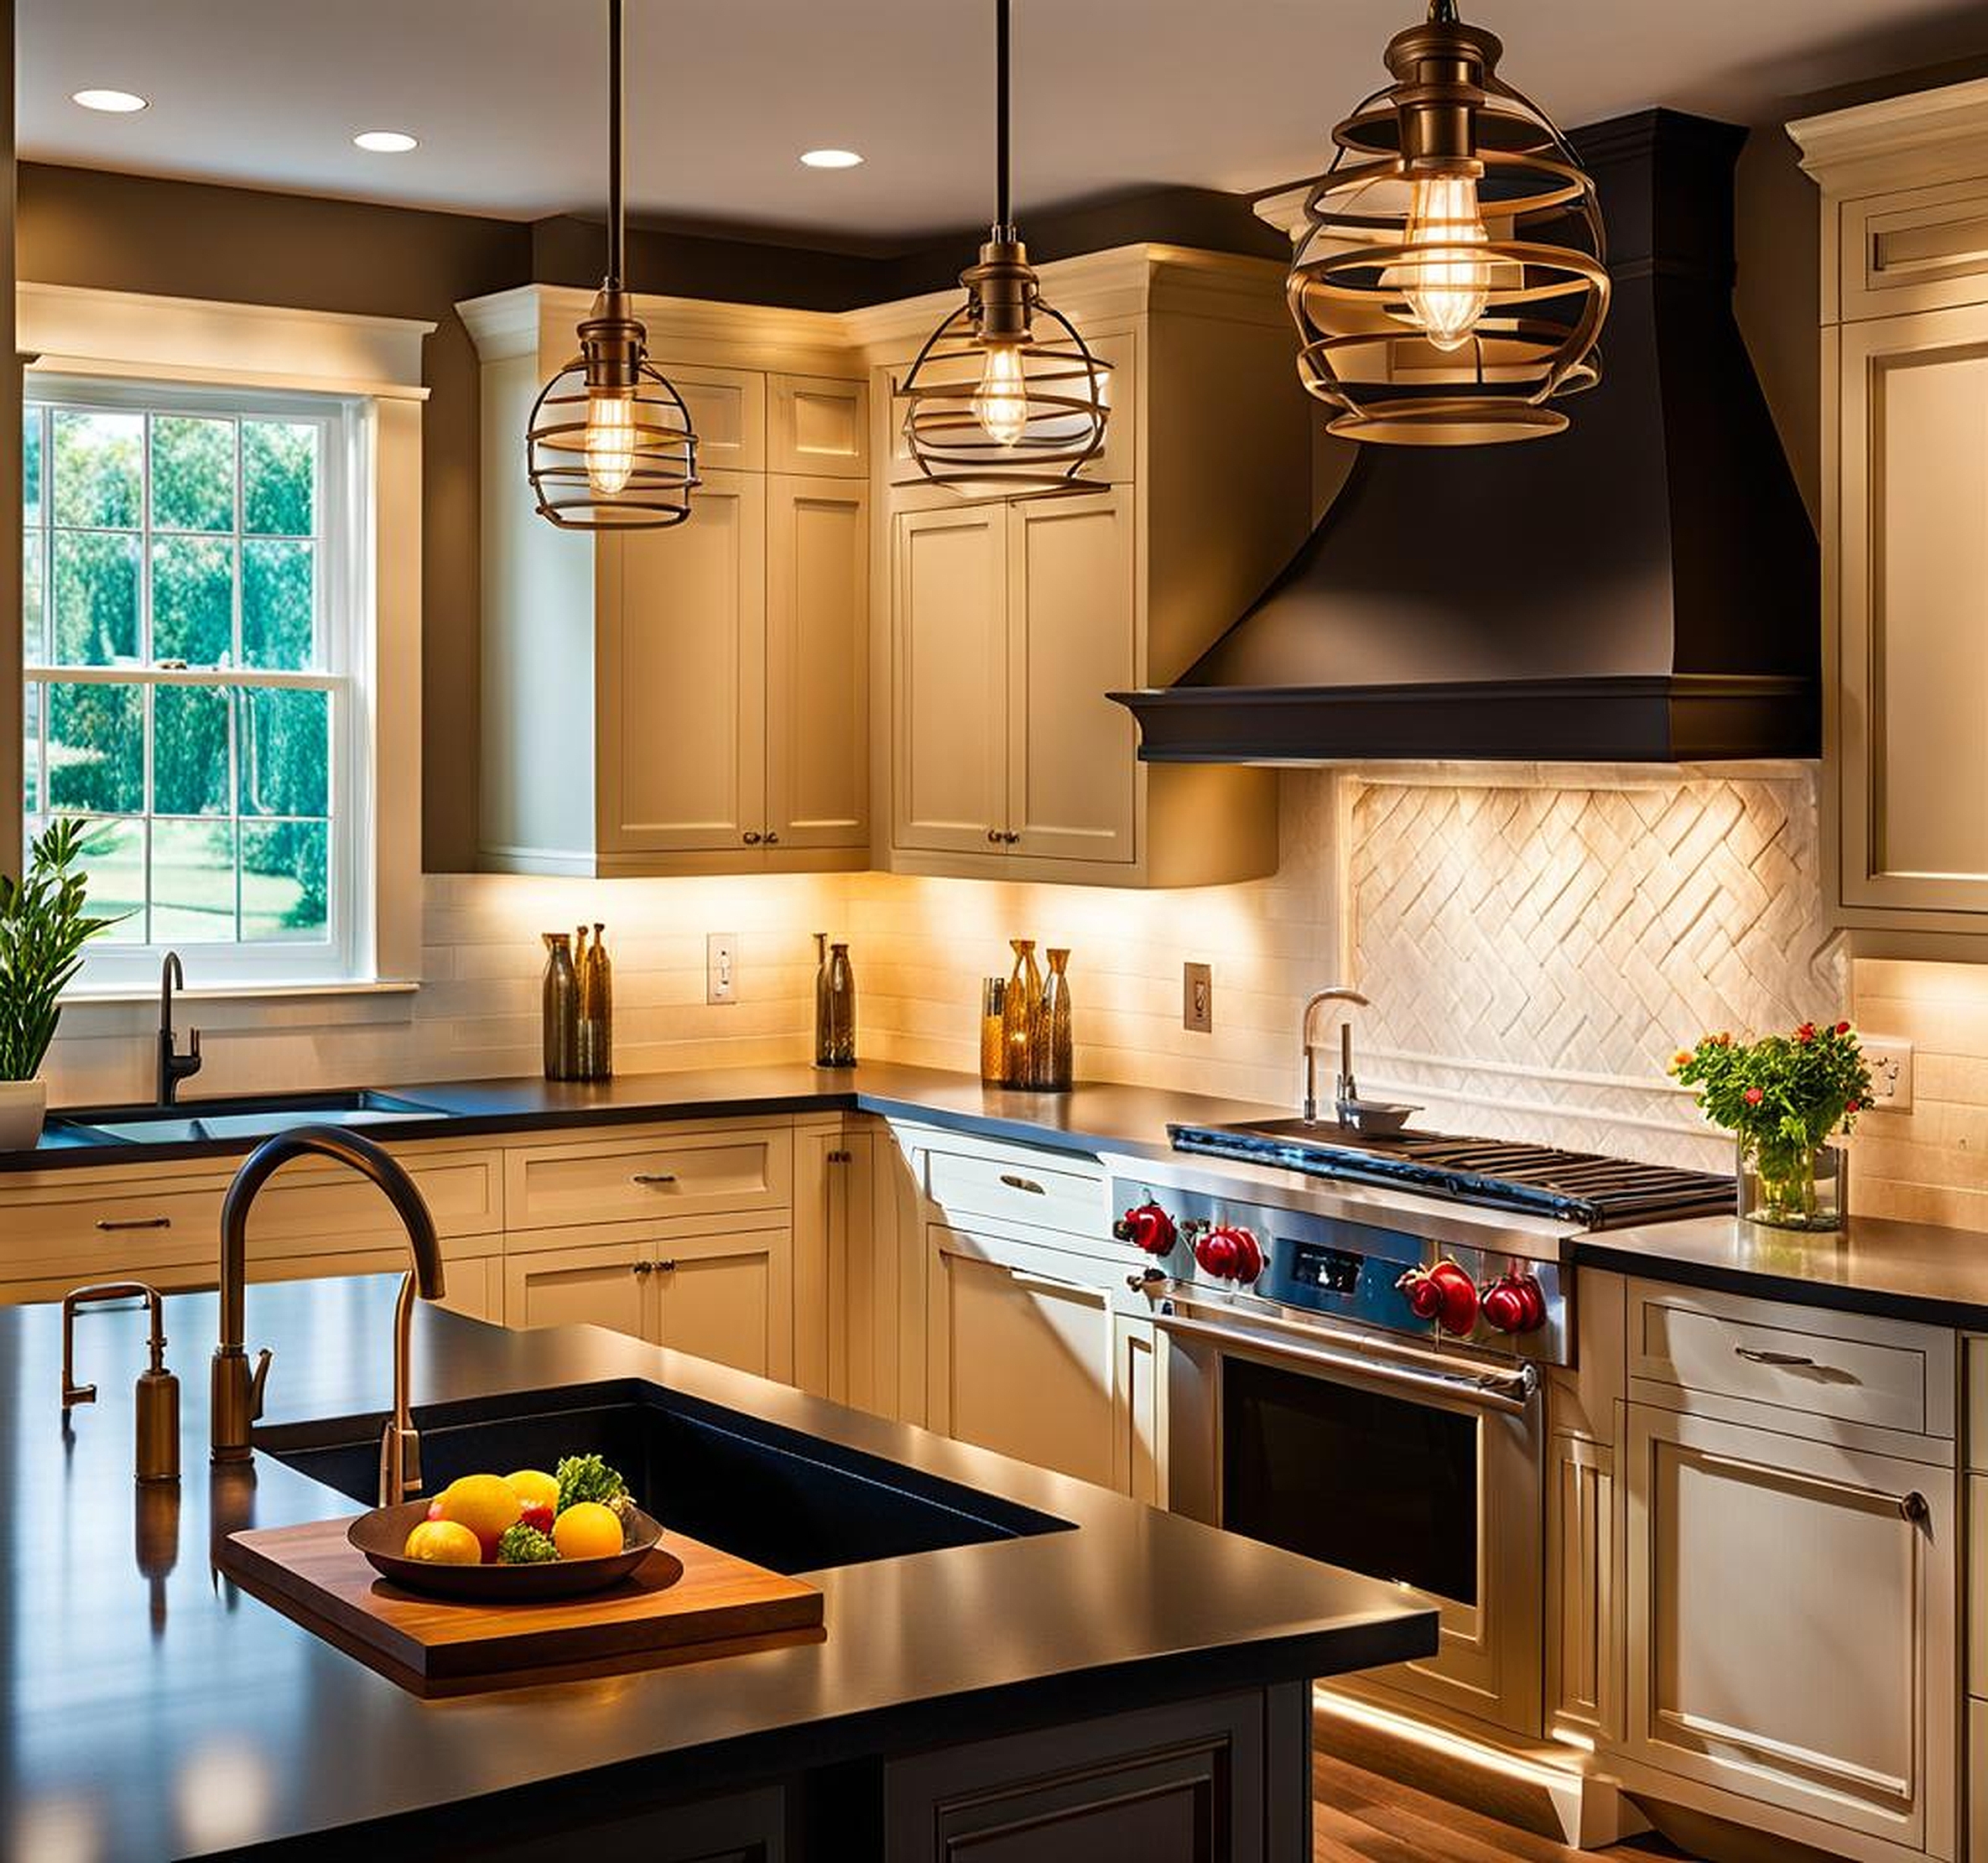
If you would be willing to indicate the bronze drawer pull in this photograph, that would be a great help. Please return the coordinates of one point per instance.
(110, 1223)
(1753, 1357)
(663, 1267)
(1029, 1184)
(771, 838)
(653, 1177)
(994, 836)
(641, 1267)
(1914, 1508)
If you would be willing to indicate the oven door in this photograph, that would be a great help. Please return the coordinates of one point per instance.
(1419, 1467)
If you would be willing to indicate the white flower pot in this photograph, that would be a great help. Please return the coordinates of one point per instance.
(23, 1104)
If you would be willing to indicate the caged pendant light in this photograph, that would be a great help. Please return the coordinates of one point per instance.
(610, 444)
(1004, 396)
(1451, 282)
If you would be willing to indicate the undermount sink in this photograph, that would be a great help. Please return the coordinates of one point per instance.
(785, 1500)
(202, 1122)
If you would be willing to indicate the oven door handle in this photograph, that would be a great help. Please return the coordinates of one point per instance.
(1508, 1391)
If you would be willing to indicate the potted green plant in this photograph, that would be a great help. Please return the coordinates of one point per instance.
(43, 927)
(1782, 1097)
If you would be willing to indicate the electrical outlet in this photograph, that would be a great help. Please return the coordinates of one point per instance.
(1197, 998)
(1890, 1063)
(721, 967)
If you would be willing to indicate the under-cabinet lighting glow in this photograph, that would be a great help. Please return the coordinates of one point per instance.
(118, 103)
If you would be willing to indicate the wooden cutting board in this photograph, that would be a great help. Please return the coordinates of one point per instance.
(686, 1602)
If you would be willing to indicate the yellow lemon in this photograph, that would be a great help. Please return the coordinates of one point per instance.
(530, 1484)
(587, 1531)
(486, 1504)
(444, 1542)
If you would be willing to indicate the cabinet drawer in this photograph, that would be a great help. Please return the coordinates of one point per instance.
(662, 1174)
(1815, 1367)
(326, 1205)
(1924, 250)
(90, 1229)
(1018, 1187)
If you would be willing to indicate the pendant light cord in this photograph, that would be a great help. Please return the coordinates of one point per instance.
(615, 101)
(1002, 225)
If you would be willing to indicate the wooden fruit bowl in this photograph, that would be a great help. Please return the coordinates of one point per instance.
(381, 1534)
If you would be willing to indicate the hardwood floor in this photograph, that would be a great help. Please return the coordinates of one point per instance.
(1359, 1816)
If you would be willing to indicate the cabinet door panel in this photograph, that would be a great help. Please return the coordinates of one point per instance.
(1913, 583)
(1791, 1632)
(818, 423)
(728, 1298)
(1073, 755)
(682, 675)
(950, 702)
(596, 1286)
(1021, 1353)
(728, 414)
(818, 662)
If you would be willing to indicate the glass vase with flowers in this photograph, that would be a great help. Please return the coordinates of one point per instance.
(1782, 1097)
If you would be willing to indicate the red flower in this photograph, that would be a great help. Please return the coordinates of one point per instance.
(1853, 1105)
(1753, 1096)
(1842, 1028)
(1806, 1033)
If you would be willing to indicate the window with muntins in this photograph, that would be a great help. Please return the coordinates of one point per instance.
(190, 586)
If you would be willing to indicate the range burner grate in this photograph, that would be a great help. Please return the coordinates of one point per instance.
(1595, 1191)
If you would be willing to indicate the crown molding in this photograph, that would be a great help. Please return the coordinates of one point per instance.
(1929, 136)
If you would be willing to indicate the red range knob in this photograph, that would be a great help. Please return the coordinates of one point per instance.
(1230, 1254)
(1444, 1293)
(1514, 1304)
(1148, 1226)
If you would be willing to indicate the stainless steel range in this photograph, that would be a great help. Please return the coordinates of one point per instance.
(1358, 1325)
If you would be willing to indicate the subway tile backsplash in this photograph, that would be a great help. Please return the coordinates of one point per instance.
(1536, 943)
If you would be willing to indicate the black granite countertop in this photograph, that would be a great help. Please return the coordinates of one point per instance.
(150, 1710)
(1906, 1270)
(1095, 1116)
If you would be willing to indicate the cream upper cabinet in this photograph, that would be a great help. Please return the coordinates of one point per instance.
(1073, 755)
(949, 679)
(682, 666)
(1904, 512)
(691, 699)
(1791, 1629)
(817, 663)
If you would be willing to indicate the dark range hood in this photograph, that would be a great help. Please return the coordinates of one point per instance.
(1642, 588)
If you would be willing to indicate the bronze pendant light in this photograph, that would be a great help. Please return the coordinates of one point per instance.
(1452, 281)
(610, 446)
(1004, 396)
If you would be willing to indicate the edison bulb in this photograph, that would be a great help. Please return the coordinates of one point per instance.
(1447, 293)
(1001, 402)
(610, 440)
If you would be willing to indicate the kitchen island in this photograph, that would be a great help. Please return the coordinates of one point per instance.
(1121, 1681)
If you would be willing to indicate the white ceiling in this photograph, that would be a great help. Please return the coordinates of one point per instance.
(1112, 94)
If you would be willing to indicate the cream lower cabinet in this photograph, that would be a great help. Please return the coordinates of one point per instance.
(1025, 1354)
(725, 1293)
(1790, 1631)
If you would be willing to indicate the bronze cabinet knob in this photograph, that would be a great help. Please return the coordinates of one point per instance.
(752, 837)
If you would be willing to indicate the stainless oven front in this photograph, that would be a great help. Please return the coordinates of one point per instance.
(1416, 1464)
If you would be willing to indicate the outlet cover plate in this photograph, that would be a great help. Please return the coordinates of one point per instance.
(1197, 998)
(1890, 1062)
(721, 967)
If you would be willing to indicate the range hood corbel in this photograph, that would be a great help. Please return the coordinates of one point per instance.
(1643, 588)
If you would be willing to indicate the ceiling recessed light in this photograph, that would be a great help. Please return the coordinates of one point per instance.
(119, 103)
(385, 142)
(831, 159)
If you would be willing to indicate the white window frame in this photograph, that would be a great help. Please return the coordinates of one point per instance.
(340, 630)
(80, 339)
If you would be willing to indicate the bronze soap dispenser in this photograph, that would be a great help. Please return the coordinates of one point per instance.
(157, 1406)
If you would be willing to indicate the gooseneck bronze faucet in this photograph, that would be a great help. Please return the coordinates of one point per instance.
(237, 1395)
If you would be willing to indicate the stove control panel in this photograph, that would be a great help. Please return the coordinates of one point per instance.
(1356, 1273)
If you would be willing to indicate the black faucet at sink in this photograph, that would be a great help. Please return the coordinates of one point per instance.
(173, 1067)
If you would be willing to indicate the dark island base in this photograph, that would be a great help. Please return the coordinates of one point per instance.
(1217, 1780)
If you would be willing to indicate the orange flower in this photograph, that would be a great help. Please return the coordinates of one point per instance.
(1681, 1061)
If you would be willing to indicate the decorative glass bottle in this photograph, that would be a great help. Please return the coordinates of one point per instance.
(559, 1008)
(993, 1043)
(1018, 1011)
(839, 1048)
(595, 1055)
(822, 1038)
(1052, 1050)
